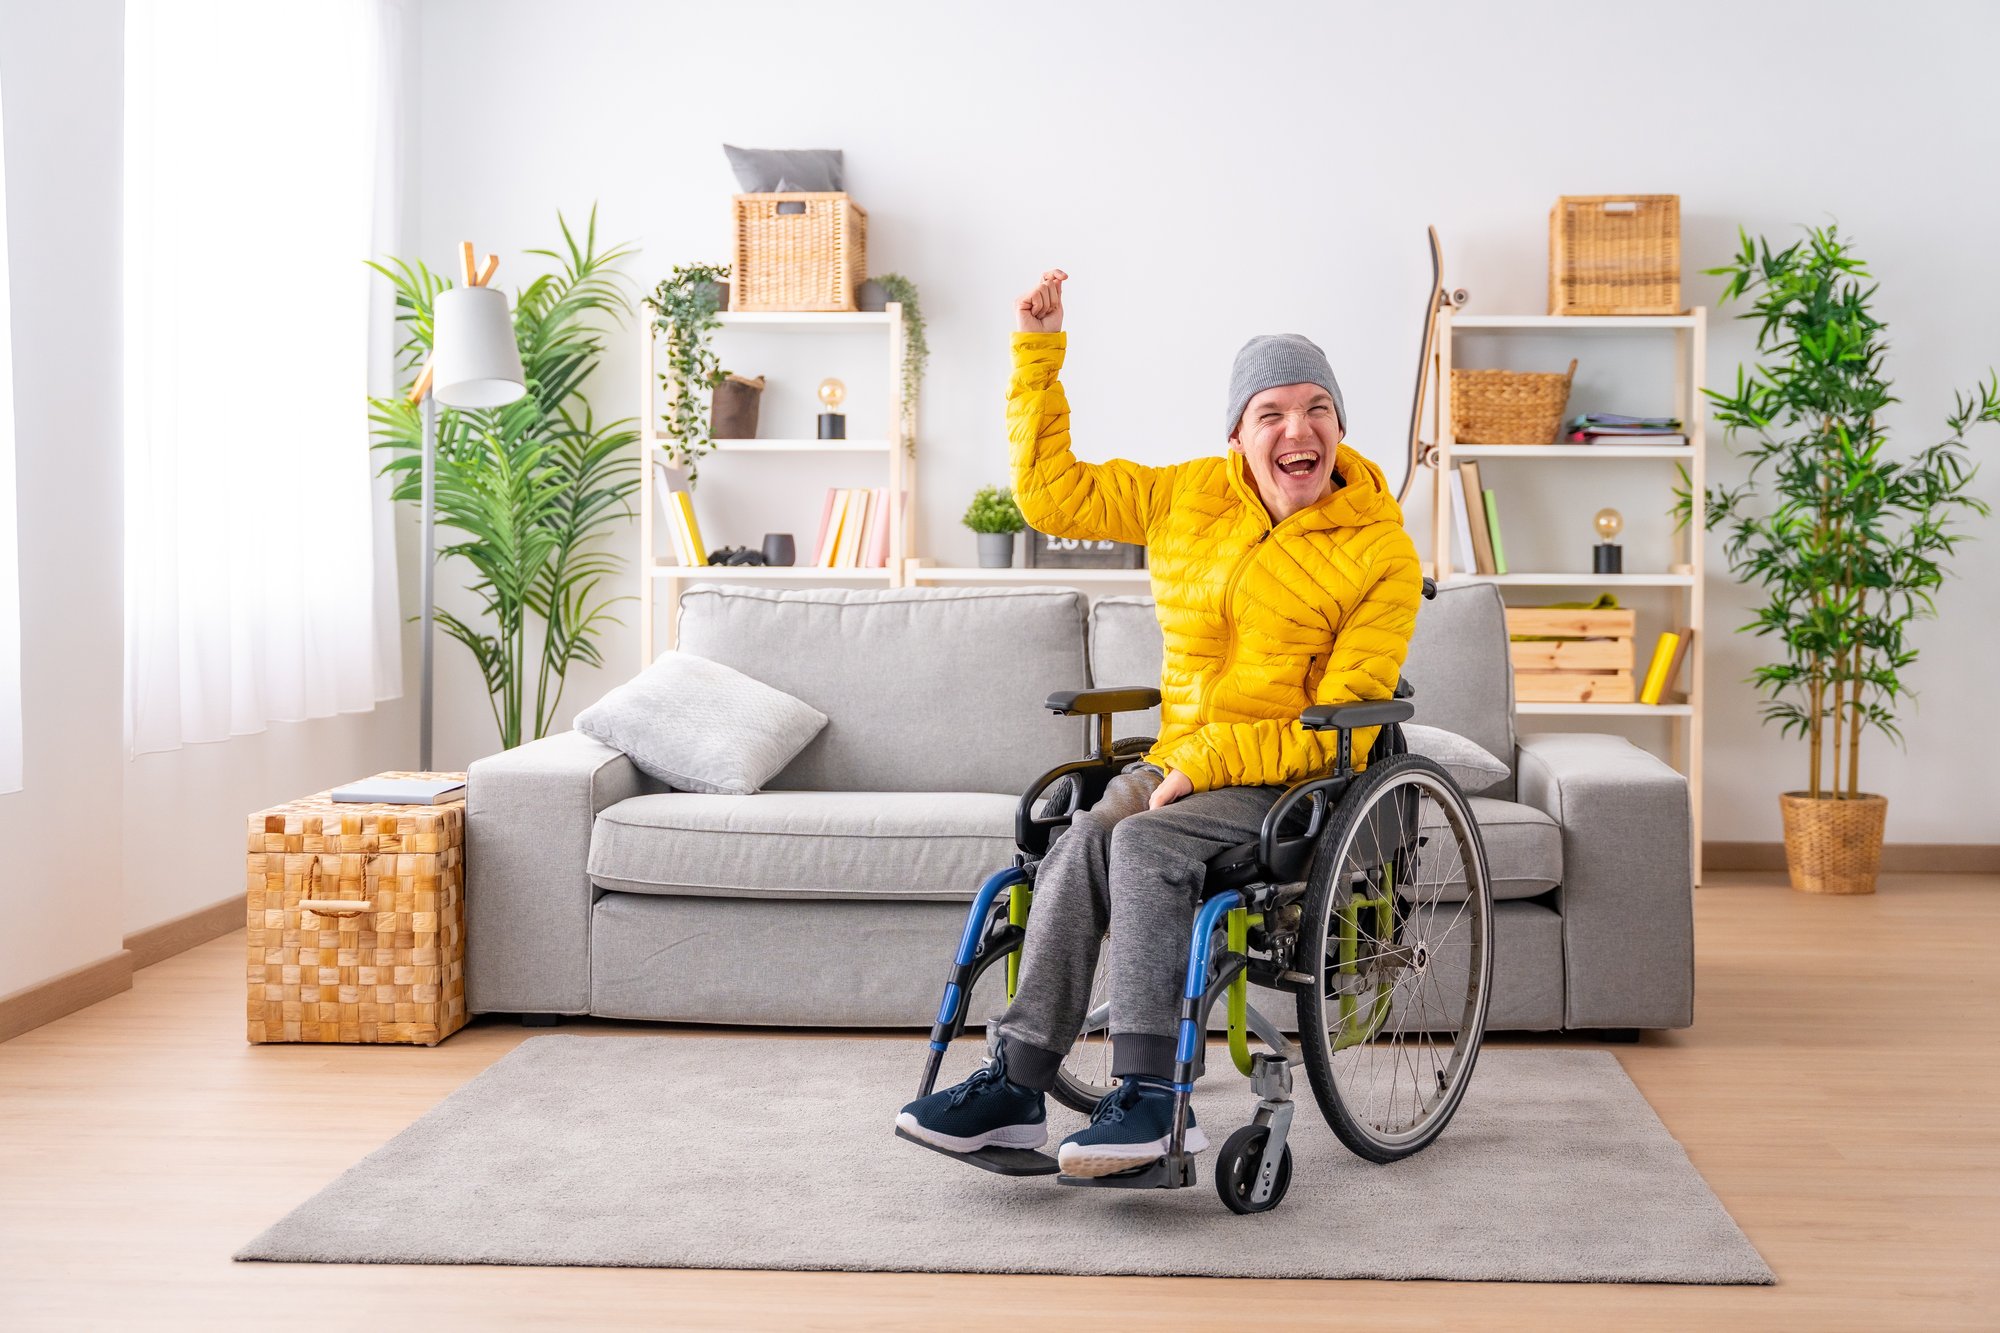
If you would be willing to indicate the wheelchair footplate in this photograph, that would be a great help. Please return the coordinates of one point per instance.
(1000, 1161)
(1159, 1174)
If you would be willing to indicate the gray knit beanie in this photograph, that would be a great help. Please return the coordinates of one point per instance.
(1272, 359)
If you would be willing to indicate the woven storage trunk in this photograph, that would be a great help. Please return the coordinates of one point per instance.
(383, 957)
(1508, 406)
(1588, 659)
(1615, 254)
(797, 251)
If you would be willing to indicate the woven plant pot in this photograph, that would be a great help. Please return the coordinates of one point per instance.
(1833, 846)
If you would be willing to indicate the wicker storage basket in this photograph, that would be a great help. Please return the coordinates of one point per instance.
(1615, 254)
(1833, 846)
(797, 251)
(382, 959)
(1508, 406)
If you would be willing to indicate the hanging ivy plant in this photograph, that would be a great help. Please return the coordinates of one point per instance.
(684, 307)
(916, 352)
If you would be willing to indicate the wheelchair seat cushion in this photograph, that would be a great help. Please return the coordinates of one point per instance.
(912, 846)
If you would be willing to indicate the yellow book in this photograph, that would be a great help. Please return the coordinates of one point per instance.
(693, 528)
(670, 518)
(834, 518)
(1656, 671)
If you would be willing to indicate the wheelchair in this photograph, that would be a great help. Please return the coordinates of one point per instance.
(1365, 896)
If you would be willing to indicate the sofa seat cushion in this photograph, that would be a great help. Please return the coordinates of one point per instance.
(1523, 849)
(914, 846)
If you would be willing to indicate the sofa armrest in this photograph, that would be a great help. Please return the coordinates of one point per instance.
(1627, 893)
(529, 812)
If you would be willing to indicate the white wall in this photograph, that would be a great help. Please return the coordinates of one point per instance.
(1206, 173)
(1203, 175)
(97, 847)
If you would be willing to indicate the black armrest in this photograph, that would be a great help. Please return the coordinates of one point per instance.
(1116, 699)
(1347, 717)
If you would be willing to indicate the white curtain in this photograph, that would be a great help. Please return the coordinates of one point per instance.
(10, 551)
(259, 554)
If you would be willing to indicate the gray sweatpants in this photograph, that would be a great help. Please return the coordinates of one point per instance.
(1136, 872)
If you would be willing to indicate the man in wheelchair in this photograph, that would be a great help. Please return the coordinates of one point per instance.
(1283, 579)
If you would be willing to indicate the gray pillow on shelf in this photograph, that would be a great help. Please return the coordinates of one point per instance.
(769, 170)
(701, 726)
(1470, 764)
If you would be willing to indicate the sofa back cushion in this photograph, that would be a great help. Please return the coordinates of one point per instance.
(924, 689)
(1463, 674)
(1458, 664)
(1126, 648)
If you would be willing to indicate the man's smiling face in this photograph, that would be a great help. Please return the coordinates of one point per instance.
(1287, 436)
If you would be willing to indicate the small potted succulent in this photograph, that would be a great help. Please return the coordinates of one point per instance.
(996, 518)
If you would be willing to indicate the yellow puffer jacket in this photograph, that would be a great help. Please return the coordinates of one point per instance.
(1260, 622)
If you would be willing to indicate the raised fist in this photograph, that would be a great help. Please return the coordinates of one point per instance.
(1040, 309)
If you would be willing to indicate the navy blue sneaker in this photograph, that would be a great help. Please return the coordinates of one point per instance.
(984, 1111)
(1129, 1128)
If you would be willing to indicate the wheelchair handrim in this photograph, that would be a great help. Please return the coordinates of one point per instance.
(1391, 1069)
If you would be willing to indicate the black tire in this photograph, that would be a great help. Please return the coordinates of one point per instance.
(1236, 1169)
(1422, 981)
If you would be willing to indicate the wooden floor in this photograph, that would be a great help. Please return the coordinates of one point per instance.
(1838, 1092)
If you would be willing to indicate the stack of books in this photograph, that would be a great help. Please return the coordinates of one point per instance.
(854, 528)
(1610, 428)
(678, 507)
(1476, 517)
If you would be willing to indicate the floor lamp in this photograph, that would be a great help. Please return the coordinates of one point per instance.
(475, 363)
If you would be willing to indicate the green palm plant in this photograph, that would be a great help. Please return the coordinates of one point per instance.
(532, 486)
(1850, 552)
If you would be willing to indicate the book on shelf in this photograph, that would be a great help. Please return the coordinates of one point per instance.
(854, 528)
(1627, 437)
(1493, 533)
(878, 553)
(829, 527)
(1461, 530)
(1656, 670)
(1474, 501)
(1685, 633)
(691, 527)
(825, 517)
(1611, 428)
(401, 791)
(677, 513)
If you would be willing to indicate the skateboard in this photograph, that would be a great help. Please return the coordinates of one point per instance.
(1435, 300)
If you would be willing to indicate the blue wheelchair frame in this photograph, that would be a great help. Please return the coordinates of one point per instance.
(986, 940)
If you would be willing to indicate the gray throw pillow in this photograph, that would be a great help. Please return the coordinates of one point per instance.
(767, 170)
(698, 725)
(1470, 764)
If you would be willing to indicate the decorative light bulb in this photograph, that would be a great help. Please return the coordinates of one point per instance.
(1609, 522)
(832, 392)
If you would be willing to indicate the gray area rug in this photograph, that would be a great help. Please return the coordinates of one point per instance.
(700, 1152)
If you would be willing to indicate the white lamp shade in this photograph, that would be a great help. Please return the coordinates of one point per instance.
(477, 363)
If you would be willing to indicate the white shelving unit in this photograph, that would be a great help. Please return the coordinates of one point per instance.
(667, 578)
(1690, 333)
(916, 570)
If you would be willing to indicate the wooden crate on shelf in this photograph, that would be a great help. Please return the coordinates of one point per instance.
(1577, 656)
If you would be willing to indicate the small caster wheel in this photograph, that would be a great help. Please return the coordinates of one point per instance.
(1237, 1167)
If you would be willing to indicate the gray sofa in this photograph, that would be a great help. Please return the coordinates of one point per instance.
(835, 896)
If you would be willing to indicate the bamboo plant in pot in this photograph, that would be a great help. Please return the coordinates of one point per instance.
(1852, 547)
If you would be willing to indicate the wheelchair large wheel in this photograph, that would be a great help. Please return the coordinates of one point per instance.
(1084, 1077)
(1397, 935)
